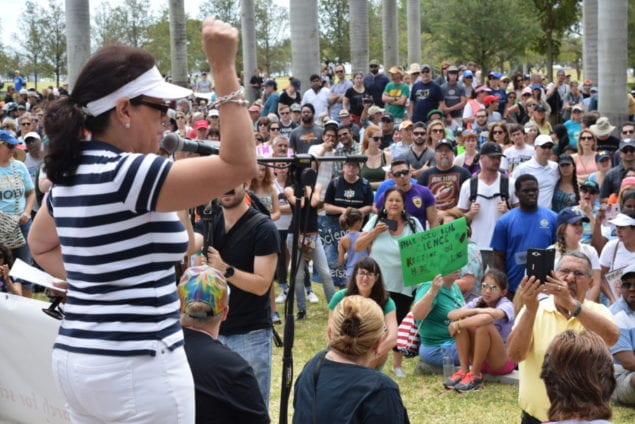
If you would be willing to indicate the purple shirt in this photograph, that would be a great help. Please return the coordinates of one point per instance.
(503, 325)
(418, 198)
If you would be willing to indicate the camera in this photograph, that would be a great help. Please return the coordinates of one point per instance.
(367, 101)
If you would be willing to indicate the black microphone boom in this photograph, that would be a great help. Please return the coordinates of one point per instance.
(172, 143)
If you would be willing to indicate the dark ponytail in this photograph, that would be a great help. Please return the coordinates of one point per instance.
(106, 71)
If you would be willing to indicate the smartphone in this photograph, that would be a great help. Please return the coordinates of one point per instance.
(540, 263)
(392, 224)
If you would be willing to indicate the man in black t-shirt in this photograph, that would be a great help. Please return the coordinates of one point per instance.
(245, 248)
(226, 388)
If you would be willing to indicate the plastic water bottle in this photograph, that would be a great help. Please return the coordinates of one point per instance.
(448, 361)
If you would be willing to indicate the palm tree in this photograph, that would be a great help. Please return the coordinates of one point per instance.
(358, 11)
(413, 11)
(389, 26)
(590, 48)
(612, 54)
(77, 37)
(178, 42)
(305, 39)
(248, 28)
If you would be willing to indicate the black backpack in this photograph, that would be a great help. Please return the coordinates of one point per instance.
(503, 190)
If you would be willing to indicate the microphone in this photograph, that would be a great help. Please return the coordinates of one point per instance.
(173, 143)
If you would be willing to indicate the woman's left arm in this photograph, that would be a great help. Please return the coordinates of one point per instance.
(390, 340)
(275, 205)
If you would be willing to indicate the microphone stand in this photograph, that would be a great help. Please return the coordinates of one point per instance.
(305, 176)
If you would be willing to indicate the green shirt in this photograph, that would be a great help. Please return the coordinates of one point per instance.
(388, 307)
(433, 330)
(396, 90)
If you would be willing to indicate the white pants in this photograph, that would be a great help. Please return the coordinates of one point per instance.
(119, 389)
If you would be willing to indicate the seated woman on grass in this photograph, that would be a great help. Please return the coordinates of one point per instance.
(367, 281)
(480, 329)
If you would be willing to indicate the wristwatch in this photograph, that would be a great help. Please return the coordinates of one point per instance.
(229, 272)
(577, 310)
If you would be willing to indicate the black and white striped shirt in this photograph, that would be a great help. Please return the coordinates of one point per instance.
(119, 254)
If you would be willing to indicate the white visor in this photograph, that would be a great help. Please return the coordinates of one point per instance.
(150, 84)
(622, 220)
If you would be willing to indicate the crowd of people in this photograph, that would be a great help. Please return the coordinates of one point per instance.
(530, 164)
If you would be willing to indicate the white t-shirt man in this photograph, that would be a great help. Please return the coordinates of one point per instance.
(484, 221)
(547, 177)
(516, 156)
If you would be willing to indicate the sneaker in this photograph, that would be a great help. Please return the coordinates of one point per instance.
(313, 298)
(275, 317)
(469, 382)
(301, 315)
(454, 380)
(282, 297)
(399, 373)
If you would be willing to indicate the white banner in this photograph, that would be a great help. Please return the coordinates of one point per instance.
(27, 391)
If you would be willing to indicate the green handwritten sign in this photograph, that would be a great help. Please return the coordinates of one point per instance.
(440, 250)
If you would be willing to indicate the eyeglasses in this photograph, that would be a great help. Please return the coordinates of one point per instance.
(156, 106)
(627, 285)
(586, 138)
(419, 133)
(274, 129)
(437, 131)
(180, 117)
(261, 124)
(467, 77)
(576, 273)
(492, 288)
(366, 274)
(498, 132)
(282, 145)
(402, 173)
(375, 138)
(588, 190)
(628, 150)
(628, 131)
(339, 72)
(546, 146)
(284, 113)
(25, 124)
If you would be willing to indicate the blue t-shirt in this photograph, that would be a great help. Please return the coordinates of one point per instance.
(517, 231)
(385, 185)
(15, 181)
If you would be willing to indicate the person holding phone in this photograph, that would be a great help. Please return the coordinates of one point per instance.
(540, 321)
(380, 235)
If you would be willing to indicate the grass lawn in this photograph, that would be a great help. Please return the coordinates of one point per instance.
(424, 397)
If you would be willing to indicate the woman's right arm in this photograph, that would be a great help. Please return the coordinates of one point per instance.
(197, 180)
(367, 238)
(45, 244)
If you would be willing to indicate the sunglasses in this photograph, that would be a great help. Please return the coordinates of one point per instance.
(498, 132)
(25, 124)
(546, 146)
(274, 129)
(375, 138)
(419, 133)
(401, 173)
(586, 138)
(436, 130)
(626, 285)
(628, 132)
(230, 192)
(284, 113)
(156, 106)
(588, 190)
(628, 150)
(180, 117)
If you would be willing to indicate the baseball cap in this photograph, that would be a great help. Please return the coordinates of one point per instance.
(539, 108)
(628, 142)
(453, 68)
(374, 62)
(623, 220)
(213, 112)
(468, 74)
(426, 66)
(201, 124)
(387, 117)
(343, 113)
(331, 124)
(374, 109)
(591, 185)
(490, 99)
(628, 270)
(7, 137)
(206, 285)
(491, 149)
(526, 90)
(602, 154)
(571, 216)
(543, 139)
(295, 108)
(435, 111)
(564, 158)
(32, 134)
(496, 75)
(444, 142)
(536, 86)
(577, 108)
(406, 124)
(483, 88)
(271, 83)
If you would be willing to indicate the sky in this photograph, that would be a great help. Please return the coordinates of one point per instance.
(10, 20)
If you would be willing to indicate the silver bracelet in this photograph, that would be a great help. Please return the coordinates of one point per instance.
(233, 97)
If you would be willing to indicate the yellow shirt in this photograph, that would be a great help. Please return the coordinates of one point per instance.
(532, 395)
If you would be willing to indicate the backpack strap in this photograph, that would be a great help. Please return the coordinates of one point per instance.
(504, 189)
(473, 188)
